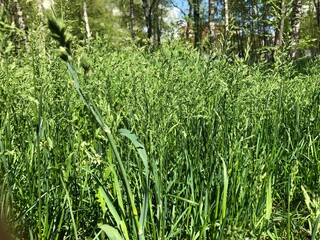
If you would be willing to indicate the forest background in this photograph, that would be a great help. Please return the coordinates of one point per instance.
(258, 26)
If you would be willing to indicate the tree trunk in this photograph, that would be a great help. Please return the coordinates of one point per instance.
(86, 19)
(148, 17)
(155, 32)
(19, 15)
(189, 19)
(264, 25)
(211, 21)
(241, 35)
(132, 19)
(226, 16)
(280, 30)
(296, 24)
(197, 27)
(155, 23)
(317, 7)
(150, 24)
(159, 21)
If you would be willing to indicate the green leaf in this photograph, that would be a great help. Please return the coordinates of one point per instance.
(110, 205)
(101, 201)
(143, 155)
(184, 199)
(225, 189)
(140, 148)
(112, 233)
(269, 199)
(315, 228)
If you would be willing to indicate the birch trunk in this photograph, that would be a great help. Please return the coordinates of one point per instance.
(211, 21)
(86, 19)
(296, 24)
(226, 16)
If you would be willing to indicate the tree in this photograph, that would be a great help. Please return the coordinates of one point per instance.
(211, 21)
(226, 16)
(147, 7)
(296, 24)
(197, 23)
(317, 10)
(18, 15)
(278, 37)
(153, 15)
(86, 19)
(133, 35)
(190, 15)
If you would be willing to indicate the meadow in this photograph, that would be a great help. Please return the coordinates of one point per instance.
(127, 143)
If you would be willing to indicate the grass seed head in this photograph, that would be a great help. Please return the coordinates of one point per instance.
(59, 33)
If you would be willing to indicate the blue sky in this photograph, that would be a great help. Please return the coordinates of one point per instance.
(174, 14)
(183, 4)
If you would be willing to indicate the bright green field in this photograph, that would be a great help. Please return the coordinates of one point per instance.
(233, 149)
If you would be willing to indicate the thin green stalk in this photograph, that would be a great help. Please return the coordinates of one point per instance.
(59, 32)
(67, 197)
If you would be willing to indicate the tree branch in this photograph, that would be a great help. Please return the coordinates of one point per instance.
(173, 4)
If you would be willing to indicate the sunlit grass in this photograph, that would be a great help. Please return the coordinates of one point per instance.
(232, 148)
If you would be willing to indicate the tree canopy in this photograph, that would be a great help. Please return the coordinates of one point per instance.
(255, 28)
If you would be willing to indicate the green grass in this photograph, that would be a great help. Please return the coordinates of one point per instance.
(231, 148)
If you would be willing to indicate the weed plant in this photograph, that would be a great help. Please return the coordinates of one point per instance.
(232, 148)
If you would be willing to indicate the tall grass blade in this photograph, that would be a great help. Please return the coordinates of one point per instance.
(315, 228)
(183, 199)
(140, 148)
(269, 198)
(225, 190)
(111, 232)
(143, 155)
(64, 40)
(74, 225)
(102, 193)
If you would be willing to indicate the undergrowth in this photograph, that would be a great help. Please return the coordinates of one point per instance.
(232, 148)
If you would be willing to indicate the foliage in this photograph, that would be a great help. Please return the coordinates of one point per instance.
(232, 148)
